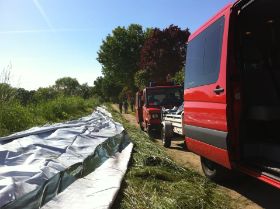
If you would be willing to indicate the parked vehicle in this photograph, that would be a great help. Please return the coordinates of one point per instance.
(149, 101)
(232, 91)
(172, 123)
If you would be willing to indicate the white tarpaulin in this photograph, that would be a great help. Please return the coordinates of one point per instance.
(39, 163)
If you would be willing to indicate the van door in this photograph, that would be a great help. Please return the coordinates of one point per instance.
(205, 94)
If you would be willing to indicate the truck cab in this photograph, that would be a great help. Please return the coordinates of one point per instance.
(151, 99)
(232, 91)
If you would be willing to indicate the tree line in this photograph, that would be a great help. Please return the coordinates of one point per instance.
(21, 109)
(63, 87)
(131, 57)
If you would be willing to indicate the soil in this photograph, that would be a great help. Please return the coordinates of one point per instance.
(247, 192)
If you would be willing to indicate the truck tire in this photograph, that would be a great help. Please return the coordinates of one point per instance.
(213, 171)
(166, 134)
(149, 130)
(141, 126)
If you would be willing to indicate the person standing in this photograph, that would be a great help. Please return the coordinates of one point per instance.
(120, 105)
(131, 103)
(125, 105)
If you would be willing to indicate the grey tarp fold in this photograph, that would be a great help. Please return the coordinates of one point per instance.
(39, 163)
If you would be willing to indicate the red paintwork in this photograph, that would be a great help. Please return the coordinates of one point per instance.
(259, 176)
(204, 108)
(147, 111)
(210, 152)
(144, 112)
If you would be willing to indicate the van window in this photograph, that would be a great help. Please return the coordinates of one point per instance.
(203, 56)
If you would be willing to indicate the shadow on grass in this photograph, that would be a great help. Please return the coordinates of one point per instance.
(257, 191)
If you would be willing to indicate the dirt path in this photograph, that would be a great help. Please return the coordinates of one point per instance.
(248, 192)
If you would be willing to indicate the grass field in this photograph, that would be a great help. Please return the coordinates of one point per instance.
(154, 181)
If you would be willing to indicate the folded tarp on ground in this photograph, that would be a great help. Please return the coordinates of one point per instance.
(96, 190)
(39, 163)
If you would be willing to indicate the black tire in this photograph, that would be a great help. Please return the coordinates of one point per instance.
(166, 134)
(214, 171)
(149, 131)
(141, 126)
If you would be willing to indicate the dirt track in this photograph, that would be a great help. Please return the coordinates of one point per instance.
(248, 192)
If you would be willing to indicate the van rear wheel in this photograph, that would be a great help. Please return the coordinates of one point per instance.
(214, 171)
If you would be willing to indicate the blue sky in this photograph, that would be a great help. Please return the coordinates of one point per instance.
(48, 39)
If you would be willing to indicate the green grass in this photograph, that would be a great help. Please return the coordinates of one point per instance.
(155, 181)
(15, 117)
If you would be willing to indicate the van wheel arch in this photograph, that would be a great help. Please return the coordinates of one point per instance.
(214, 171)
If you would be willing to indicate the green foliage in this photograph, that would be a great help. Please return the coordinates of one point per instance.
(107, 89)
(61, 108)
(179, 77)
(67, 85)
(45, 94)
(131, 57)
(15, 117)
(119, 55)
(7, 93)
(142, 78)
(155, 181)
(23, 96)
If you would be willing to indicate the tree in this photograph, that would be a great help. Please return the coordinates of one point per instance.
(119, 54)
(85, 91)
(142, 78)
(179, 77)
(7, 93)
(67, 85)
(164, 52)
(45, 94)
(24, 96)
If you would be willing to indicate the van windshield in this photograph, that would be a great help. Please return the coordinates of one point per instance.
(165, 96)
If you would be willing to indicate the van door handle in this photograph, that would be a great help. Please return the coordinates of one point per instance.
(218, 90)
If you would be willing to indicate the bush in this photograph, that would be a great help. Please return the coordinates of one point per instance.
(15, 117)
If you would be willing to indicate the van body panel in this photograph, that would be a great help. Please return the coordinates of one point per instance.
(211, 152)
(232, 118)
(212, 115)
(205, 108)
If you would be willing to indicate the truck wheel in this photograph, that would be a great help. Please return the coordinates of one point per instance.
(149, 130)
(166, 134)
(141, 126)
(214, 171)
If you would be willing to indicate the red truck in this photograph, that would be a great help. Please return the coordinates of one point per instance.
(148, 103)
(232, 91)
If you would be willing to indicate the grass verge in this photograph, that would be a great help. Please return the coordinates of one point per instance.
(153, 180)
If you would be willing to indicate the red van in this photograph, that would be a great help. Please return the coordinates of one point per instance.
(232, 91)
(149, 101)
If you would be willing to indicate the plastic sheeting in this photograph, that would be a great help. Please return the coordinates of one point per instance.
(39, 163)
(96, 190)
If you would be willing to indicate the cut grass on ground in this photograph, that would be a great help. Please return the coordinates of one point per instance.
(153, 180)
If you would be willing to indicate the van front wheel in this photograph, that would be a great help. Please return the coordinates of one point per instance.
(214, 171)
